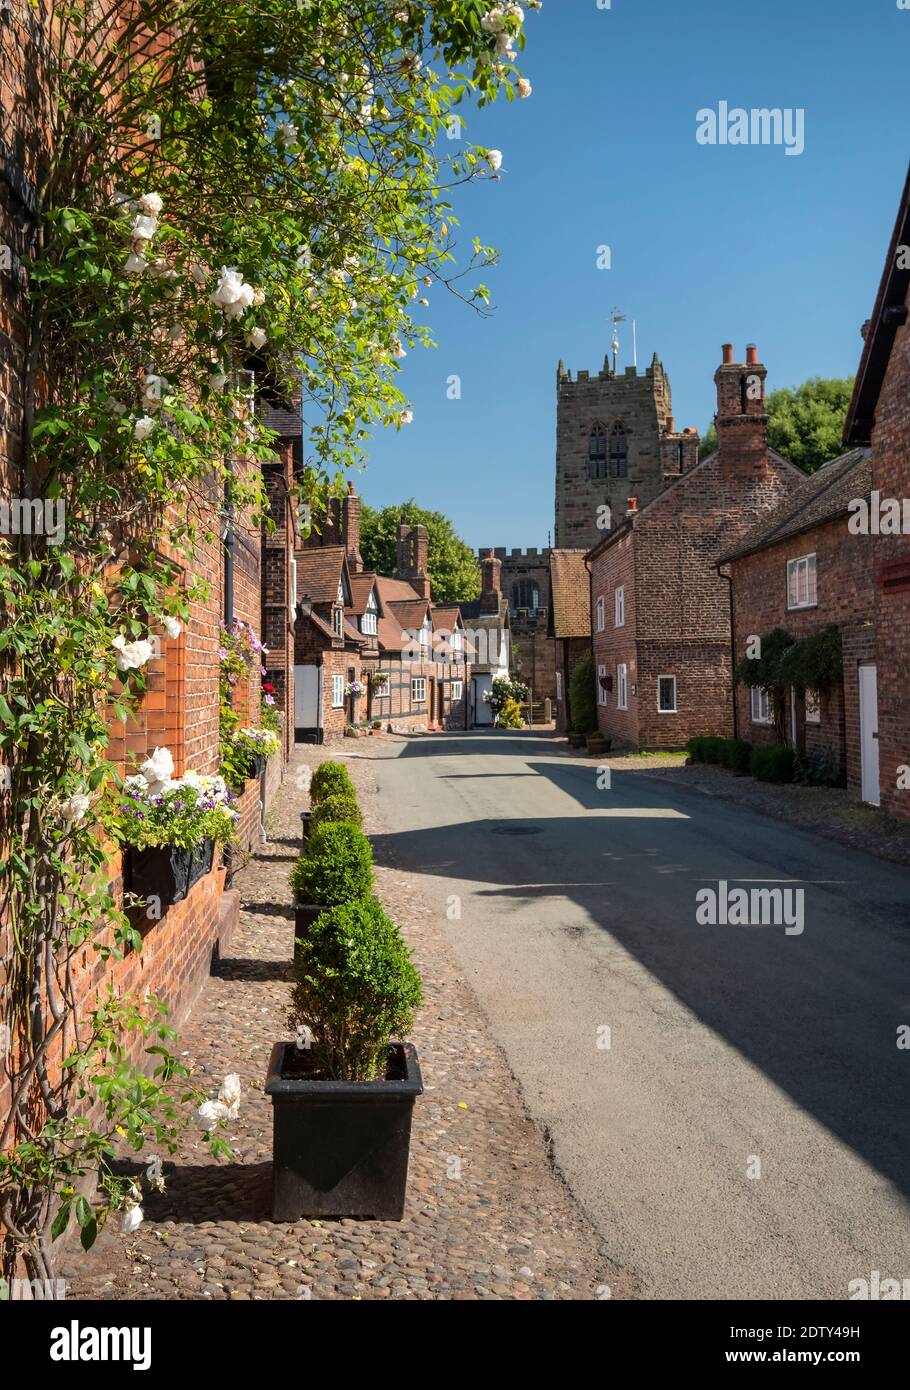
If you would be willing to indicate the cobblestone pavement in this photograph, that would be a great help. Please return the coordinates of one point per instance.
(505, 1228)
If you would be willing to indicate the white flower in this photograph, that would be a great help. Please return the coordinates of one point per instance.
(406, 417)
(232, 294)
(131, 655)
(75, 807)
(210, 1114)
(158, 767)
(143, 427)
(151, 203)
(523, 88)
(494, 21)
(131, 1218)
(153, 388)
(230, 1094)
(172, 627)
(494, 159)
(143, 228)
(257, 338)
(286, 132)
(135, 265)
(504, 47)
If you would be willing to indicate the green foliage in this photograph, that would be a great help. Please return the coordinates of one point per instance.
(341, 806)
(805, 423)
(356, 989)
(773, 764)
(582, 697)
(182, 816)
(510, 717)
(505, 700)
(820, 768)
(766, 670)
(815, 662)
(452, 565)
(337, 866)
(330, 779)
(736, 755)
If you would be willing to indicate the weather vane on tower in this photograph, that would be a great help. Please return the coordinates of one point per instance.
(616, 317)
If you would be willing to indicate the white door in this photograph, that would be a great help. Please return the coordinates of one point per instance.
(868, 734)
(306, 697)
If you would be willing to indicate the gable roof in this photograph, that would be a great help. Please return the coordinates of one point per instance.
(570, 594)
(362, 585)
(319, 572)
(824, 496)
(889, 313)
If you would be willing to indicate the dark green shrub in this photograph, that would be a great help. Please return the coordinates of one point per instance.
(356, 989)
(330, 779)
(341, 806)
(582, 697)
(695, 749)
(738, 756)
(711, 748)
(337, 867)
(775, 764)
(820, 768)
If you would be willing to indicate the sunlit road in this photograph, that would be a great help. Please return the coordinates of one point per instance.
(747, 1131)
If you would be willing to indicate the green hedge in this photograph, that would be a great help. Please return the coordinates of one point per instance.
(734, 753)
(337, 867)
(330, 779)
(341, 806)
(774, 764)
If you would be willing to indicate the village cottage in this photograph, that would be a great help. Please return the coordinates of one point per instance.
(569, 624)
(660, 612)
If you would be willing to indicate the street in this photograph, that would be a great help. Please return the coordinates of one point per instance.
(728, 1103)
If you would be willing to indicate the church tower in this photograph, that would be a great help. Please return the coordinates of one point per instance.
(612, 432)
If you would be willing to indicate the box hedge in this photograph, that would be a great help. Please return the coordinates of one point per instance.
(337, 867)
(774, 764)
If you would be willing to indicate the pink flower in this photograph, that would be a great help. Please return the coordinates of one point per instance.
(222, 654)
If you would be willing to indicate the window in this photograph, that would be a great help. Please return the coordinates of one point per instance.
(599, 609)
(601, 685)
(525, 594)
(597, 452)
(619, 453)
(368, 624)
(338, 621)
(292, 586)
(418, 690)
(622, 686)
(559, 687)
(457, 690)
(801, 586)
(813, 707)
(761, 706)
(619, 608)
(666, 694)
(338, 692)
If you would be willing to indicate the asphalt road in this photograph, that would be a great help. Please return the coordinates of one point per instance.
(746, 1133)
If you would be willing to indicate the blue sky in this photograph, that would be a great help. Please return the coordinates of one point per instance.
(709, 244)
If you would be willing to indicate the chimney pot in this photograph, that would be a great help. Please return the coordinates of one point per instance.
(751, 354)
(728, 354)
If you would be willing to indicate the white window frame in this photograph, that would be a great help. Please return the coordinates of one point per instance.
(622, 686)
(601, 692)
(338, 621)
(292, 574)
(813, 707)
(675, 709)
(559, 687)
(418, 684)
(368, 624)
(619, 607)
(457, 690)
(599, 612)
(337, 691)
(760, 700)
(802, 581)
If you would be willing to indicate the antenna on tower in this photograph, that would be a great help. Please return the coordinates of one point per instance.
(634, 347)
(616, 318)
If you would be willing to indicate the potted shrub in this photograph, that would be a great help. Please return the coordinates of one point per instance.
(169, 828)
(343, 1094)
(342, 807)
(337, 867)
(329, 778)
(576, 740)
(598, 743)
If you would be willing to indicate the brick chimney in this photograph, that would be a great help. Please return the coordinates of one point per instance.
(742, 423)
(413, 548)
(491, 583)
(350, 526)
(678, 450)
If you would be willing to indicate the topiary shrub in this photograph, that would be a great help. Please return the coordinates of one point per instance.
(337, 867)
(356, 989)
(712, 748)
(582, 697)
(695, 749)
(342, 806)
(775, 764)
(330, 779)
(737, 756)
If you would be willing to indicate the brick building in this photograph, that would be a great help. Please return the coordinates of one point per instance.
(615, 437)
(660, 611)
(803, 571)
(879, 416)
(525, 584)
(352, 624)
(569, 624)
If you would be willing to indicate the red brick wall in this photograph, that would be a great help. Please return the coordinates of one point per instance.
(569, 651)
(615, 569)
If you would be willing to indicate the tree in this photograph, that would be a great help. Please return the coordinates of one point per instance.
(452, 564)
(805, 423)
(583, 697)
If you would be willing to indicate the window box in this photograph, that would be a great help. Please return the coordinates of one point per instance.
(168, 872)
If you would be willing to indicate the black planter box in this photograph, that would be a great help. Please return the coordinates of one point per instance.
(304, 915)
(168, 872)
(305, 817)
(340, 1148)
(257, 767)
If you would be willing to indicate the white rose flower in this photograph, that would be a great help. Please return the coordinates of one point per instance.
(210, 1114)
(232, 294)
(143, 228)
(406, 417)
(131, 1218)
(151, 203)
(504, 47)
(132, 655)
(257, 338)
(143, 427)
(172, 627)
(286, 132)
(494, 159)
(523, 88)
(241, 303)
(75, 807)
(230, 1094)
(153, 388)
(135, 265)
(158, 767)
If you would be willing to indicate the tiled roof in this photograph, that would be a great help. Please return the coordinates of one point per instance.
(824, 496)
(570, 593)
(319, 573)
(447, 615)
(361, 587)
(392, 589)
